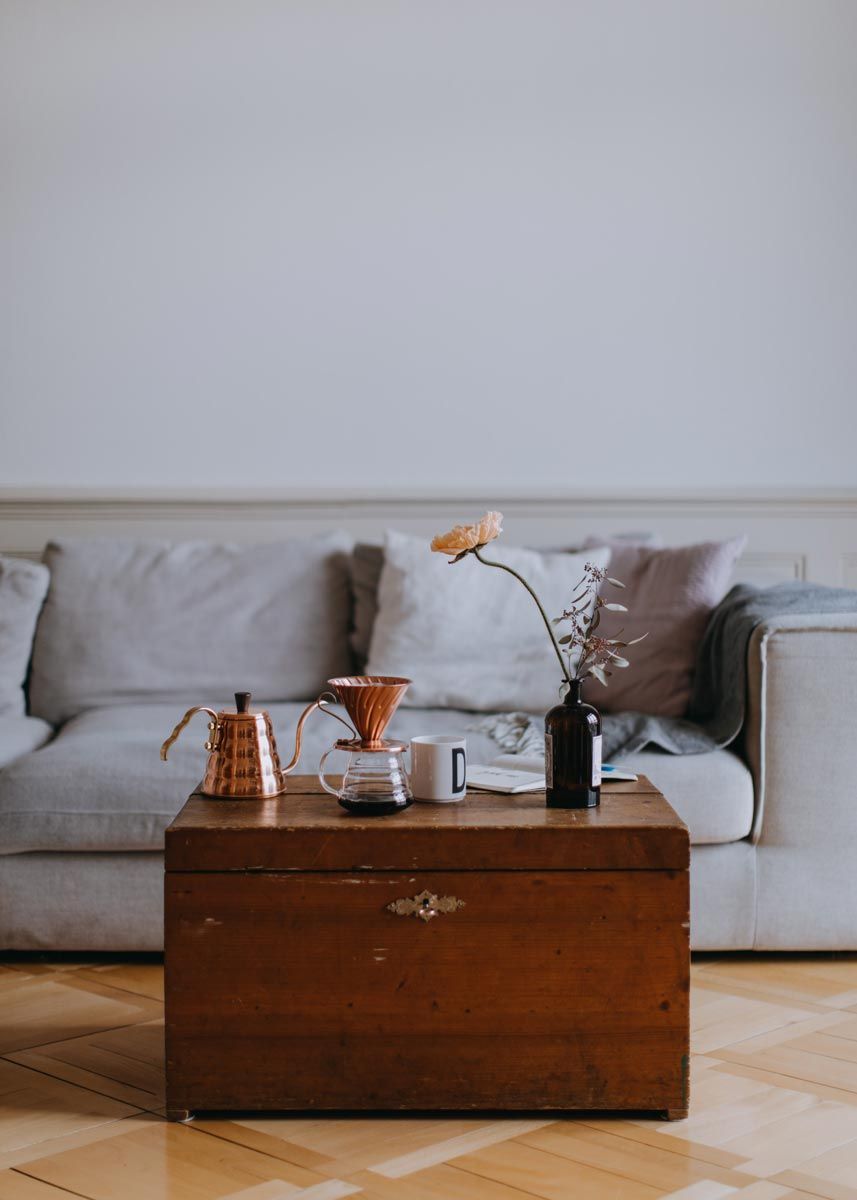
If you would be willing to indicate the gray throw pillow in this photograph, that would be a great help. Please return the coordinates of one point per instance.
(23, 586)
(190, 623)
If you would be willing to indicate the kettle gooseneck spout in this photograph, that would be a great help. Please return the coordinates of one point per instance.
(321, 704)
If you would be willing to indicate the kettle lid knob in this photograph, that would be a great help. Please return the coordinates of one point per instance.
(242, 702)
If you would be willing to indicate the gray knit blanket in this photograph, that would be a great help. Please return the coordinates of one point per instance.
(716, 713)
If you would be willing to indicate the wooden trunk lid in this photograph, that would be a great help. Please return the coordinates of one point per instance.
(305, 830)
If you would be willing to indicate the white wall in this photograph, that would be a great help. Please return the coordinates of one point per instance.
(372, 243)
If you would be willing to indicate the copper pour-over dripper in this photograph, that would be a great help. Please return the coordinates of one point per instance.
(375, 781)
(370, 701)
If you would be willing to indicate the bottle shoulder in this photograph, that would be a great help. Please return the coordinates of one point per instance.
(574, 714)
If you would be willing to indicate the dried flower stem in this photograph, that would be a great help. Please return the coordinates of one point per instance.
(502, 566)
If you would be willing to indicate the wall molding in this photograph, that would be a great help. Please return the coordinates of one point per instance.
(791, 534)
(65, 503)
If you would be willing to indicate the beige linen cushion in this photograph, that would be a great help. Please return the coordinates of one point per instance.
(670, 594)
(189, 622)
(23, 586)
(470, 636)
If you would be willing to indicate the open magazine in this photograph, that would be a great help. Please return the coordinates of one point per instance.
(513, 774)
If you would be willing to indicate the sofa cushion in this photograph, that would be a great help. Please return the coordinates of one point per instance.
(670, 595)
(23, 586)
(101, 786)
(469, 636)
(20, 736)
(712, 793)
(144, 621)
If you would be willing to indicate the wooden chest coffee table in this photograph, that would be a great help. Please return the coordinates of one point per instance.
(492, 954)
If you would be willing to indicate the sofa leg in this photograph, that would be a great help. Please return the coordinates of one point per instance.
(674, 1114)
(179, 1114)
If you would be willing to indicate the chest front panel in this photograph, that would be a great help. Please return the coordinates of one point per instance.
(528, 989)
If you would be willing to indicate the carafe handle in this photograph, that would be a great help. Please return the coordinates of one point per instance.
(213, 730)
(321, 778)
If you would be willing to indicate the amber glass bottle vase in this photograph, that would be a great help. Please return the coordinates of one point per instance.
(573, 753)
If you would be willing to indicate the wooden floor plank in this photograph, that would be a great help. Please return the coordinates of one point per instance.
(835, 1170)
(746, 1019)
(717, 1126)
(552, 1176)
(15, 1186)
(126, 1063)
(142, 979)
(37, 1011)
(813, 980)
(846, 1027)
(787, 1061)
(769, 1190)
(37, 1107)
(453, 1148)
(444, 1182)
(796, 1138)
(165, 1161)
(253, 1135)
(828, 1045)
(660, 1168)
(790, 1083)
(827, 1022)
(650, 1133)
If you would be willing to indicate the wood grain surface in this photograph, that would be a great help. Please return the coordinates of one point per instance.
(633, 829)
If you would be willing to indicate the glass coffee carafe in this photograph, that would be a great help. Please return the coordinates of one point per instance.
(375, 781)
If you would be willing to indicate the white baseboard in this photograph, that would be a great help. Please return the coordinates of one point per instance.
(792, 535)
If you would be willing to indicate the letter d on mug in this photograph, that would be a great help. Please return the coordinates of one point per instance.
(438, 768)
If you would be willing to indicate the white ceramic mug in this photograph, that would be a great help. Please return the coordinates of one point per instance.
(439, 768)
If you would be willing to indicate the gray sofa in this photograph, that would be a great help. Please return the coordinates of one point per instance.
(84, 797)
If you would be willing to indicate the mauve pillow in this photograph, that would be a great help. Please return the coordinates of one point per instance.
(23, 586)
(670, 594)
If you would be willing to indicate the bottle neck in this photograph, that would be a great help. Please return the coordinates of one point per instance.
(572, 696)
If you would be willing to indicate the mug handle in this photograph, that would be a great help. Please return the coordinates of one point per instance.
(321, 779)
(458, 759)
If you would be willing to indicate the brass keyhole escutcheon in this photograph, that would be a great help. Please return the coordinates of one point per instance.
(426, 906)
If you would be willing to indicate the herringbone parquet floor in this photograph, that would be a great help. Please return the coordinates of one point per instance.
(773, 1107)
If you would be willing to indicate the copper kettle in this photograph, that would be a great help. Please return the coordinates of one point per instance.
(243, 762)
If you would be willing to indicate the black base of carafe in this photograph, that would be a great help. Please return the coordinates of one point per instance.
(573, 798)
(375, 808)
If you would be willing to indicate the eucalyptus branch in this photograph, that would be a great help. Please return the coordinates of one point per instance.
(566, 672)
(593, 651)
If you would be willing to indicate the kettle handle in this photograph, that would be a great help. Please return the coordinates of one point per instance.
(213, 728)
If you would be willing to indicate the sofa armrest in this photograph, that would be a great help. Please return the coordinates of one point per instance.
(800, 734)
